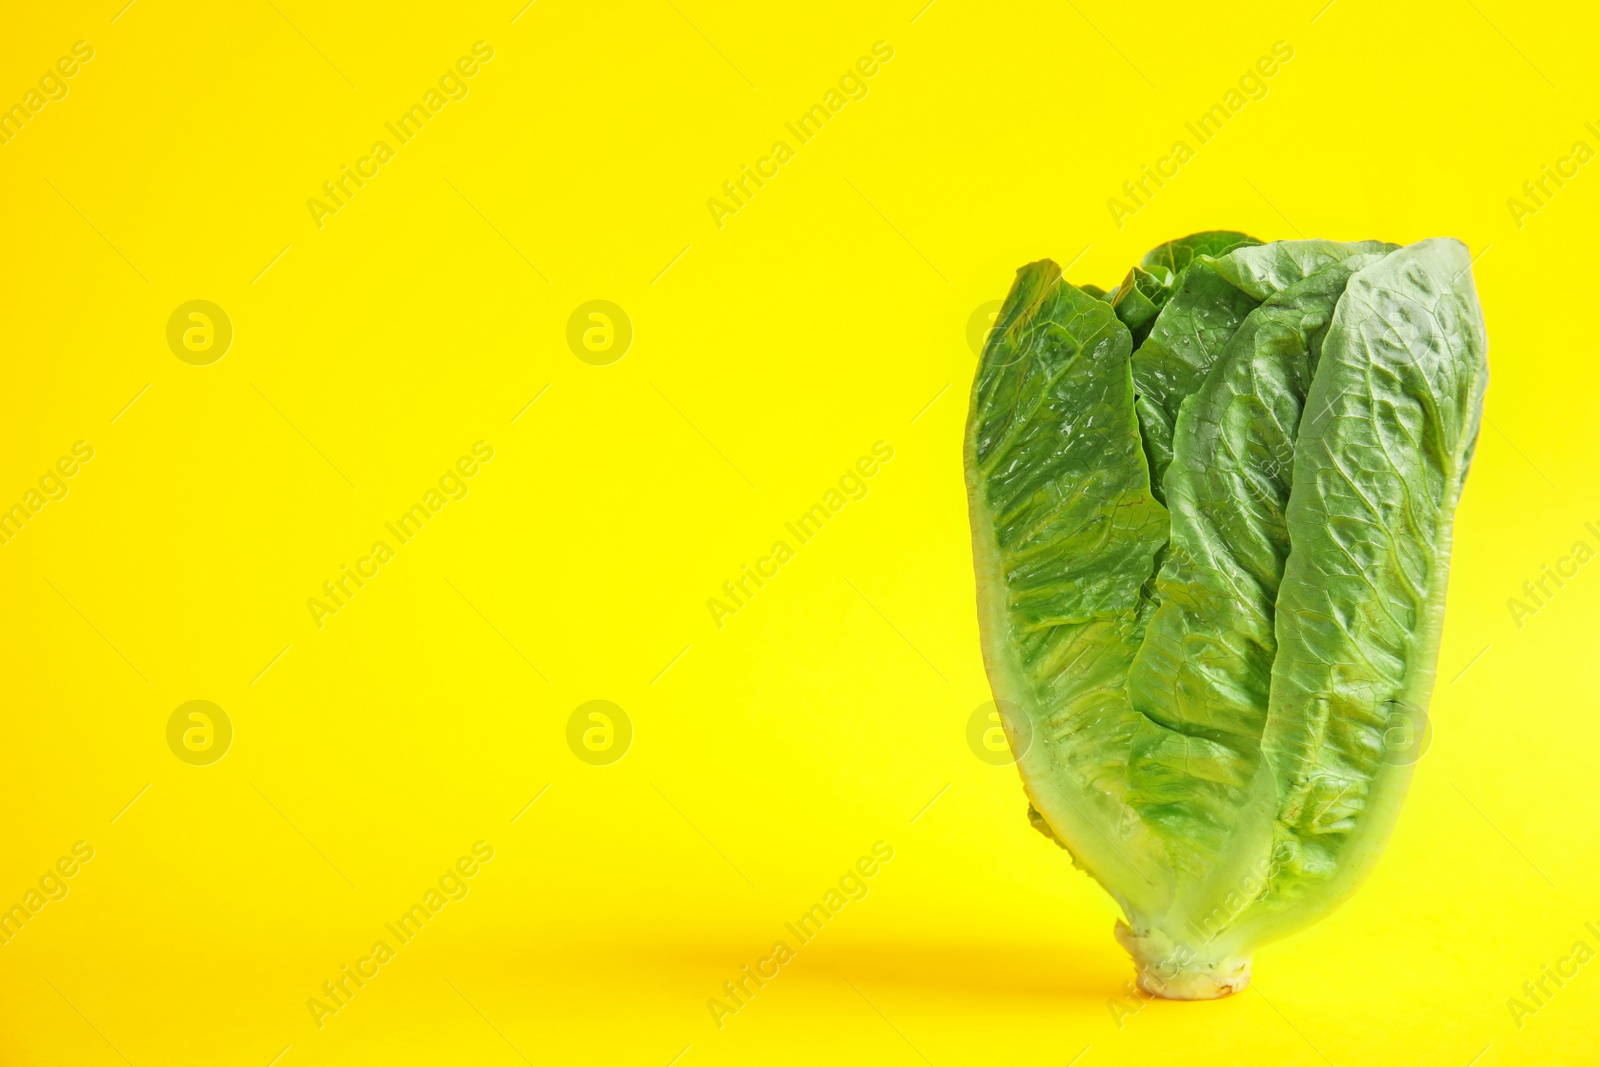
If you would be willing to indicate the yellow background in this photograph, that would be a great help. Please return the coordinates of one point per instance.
(829, 313)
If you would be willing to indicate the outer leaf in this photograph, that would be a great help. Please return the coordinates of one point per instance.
(1271, 268)
(1202, 674)
(1210, 303)
(1178, 254)
(1392, 415)
(1065, 531)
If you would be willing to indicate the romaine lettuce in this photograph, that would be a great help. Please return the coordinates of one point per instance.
(1211, 517)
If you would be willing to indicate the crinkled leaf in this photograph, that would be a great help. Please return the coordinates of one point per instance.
(1178, 254)
(1139, 298)
(1211, 300)
(1148, 286)
(1184, 341)
(1271, 268)
(1065, 531)
(1378, 467)
(1203, 671)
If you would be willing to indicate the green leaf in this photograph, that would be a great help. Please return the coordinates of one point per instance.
(1212, 299)
(1065, 532)
(1203, 671)
(1271, 268)
(1201, 317)
(1147, 287)
(1139, 299)
(1178, 254)
(1378, 468)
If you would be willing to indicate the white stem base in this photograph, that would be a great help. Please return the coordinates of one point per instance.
(1176, 971)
